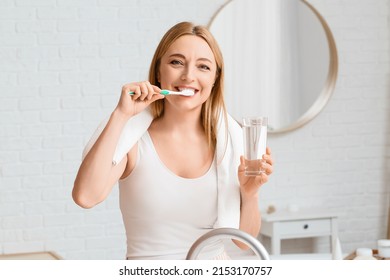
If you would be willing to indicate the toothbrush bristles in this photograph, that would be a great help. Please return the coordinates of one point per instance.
(187, 92)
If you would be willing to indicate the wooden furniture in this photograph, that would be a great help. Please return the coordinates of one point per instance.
(31, 256)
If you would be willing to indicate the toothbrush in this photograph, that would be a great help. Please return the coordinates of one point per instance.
(185, 92)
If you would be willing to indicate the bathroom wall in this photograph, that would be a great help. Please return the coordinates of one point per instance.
(63, 63)
(339, 161)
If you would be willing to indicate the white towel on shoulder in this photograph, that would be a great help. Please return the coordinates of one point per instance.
(228, 159)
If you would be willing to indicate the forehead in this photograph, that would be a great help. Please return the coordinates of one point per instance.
(191, 46)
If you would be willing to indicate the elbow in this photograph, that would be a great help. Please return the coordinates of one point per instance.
(241, 245)
(82, 200)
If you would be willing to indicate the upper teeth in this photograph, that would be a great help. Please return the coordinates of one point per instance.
(187, 90)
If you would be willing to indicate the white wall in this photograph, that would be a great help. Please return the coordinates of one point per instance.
(340, 159)
(62, 64)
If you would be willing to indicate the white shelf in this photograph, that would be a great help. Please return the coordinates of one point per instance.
(299, 224)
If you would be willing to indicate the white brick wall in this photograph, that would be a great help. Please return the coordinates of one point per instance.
(62, 64)
(340, 159)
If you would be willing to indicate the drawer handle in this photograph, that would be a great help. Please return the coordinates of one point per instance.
(306, 226)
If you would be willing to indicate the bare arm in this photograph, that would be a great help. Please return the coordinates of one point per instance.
(97, 175)
(250, 218)
(250, 215)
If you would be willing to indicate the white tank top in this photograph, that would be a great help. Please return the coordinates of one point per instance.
(163, 213)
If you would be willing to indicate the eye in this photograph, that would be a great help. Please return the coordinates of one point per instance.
(204, 67)
(176, 62)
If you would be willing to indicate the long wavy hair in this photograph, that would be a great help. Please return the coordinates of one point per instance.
(214, 106)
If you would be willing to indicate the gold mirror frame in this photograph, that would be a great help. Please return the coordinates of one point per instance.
(330, 82)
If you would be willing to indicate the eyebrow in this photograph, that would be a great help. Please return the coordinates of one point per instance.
(182, 56)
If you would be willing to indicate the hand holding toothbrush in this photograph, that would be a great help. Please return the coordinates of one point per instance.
(137, 96)
(142, 94)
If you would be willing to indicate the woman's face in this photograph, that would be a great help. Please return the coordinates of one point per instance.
(189, 63)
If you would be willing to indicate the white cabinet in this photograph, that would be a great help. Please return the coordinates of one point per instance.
(300, 224)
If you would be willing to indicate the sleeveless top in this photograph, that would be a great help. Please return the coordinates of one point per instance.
(163, 213)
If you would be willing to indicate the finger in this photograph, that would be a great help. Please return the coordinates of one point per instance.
(144, 91)
(137, 92)
(268, 169)
(268, 159)
(241, 167)
(155, 97)
(267, 155)
(150, 91)
(263, 178)
(126, 89)
(156, 88)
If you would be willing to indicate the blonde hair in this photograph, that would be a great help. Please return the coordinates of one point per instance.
(215, 104)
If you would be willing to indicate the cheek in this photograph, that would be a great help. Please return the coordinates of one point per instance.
(206, 90)
(165, 79)
(208, 82)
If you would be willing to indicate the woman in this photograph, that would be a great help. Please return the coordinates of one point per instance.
(182, 177)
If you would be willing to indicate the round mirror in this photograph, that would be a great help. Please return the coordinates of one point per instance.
(280, 60)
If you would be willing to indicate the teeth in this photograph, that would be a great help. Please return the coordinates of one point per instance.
(187, 90)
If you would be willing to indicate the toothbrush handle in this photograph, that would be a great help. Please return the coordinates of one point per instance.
(163, 92)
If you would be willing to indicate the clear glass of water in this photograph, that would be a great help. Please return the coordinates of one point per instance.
(255, 143)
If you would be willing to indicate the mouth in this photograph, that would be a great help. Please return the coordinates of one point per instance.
(188, 90)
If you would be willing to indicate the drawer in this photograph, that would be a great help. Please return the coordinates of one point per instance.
(304, 228)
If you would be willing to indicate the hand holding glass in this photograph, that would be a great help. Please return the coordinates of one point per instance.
(255, 142)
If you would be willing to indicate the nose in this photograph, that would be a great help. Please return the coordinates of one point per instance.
(188, 74)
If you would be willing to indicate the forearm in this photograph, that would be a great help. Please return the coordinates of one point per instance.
(250, 218)
(92, 181)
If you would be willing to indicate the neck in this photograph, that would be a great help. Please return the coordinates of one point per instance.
(186, 122)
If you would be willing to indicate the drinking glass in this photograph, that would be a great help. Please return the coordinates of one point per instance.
(255, 141)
